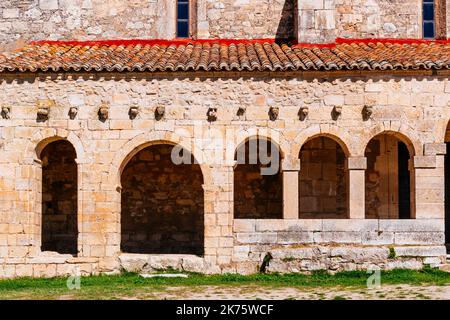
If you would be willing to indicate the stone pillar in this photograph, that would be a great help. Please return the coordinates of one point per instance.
(80, 205)
(290, 168)
(356, 167)
(429, 182)
(36, 204)
(219, 216)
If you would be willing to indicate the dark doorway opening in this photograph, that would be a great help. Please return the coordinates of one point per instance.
(59, 198)
(162, 204)
(404, 182)
(257, 195)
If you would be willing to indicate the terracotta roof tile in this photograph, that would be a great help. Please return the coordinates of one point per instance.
(226, 55)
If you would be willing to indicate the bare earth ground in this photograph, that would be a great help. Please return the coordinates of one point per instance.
(386, 292)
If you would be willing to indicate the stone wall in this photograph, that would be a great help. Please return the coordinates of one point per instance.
(323, 21)
(415, 105)
(24, 20)
(336, 245)
(379, 18)
(248, 19)
(323, 180)
(305, 20)
(162, 204)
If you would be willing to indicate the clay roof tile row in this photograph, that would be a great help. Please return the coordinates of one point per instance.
(226, 55)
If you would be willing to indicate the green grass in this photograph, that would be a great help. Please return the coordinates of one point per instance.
(132, 285)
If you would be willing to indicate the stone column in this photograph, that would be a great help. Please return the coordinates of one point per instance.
(80, 205)
(219, 216)
(356, 167)
(290, 168)
(429, 182)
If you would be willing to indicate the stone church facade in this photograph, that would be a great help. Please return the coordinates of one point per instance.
(124, 125)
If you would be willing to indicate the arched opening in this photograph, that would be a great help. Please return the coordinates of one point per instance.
(389, 178)
(162, 208)
(258, 181)
(323, 180)
(59, 198)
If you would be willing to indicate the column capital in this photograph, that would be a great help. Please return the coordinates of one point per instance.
(290, 164)
(356, 163)
(432, 149)
(424, 162)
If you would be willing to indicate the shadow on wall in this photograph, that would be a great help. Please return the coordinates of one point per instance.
(286, 30)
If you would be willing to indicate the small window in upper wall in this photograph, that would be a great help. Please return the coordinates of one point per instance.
(428, 19)
(183, 19)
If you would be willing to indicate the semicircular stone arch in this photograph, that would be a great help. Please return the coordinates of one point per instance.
(42, 138)
(401, 131)
(268, 134)
(145, 140)
(441, 131)
(342, 137)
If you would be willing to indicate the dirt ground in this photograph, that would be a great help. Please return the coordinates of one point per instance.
(386, 292)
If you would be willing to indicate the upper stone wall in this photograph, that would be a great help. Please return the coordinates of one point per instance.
(247, 19)
(323, 21)
(24, 20)
(306, 20)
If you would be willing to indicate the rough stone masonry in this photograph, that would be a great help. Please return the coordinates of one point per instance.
(87, 179)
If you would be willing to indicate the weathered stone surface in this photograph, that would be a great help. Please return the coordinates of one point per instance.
(414, 225)
(360, 255)
(377, 238)
(352, 225)
(257, 237)
(295, 237)
(422, 251)
(337, 237)
(133, 262)
(193, 264)
(296, 253)
(414, 264)
(428, 238)
(432, 261)
(289, 225)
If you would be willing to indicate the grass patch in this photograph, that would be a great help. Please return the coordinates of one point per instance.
(130, 284)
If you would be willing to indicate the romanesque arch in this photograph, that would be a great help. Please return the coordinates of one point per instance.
(389, 182)
(338, 134)
(162, 201)
(258, 180)
(323, 179)
(59, 196)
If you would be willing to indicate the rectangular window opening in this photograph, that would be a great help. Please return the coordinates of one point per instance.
(183, 17)
(428, 18)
